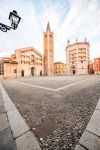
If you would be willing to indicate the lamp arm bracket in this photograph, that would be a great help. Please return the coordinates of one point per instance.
(4, 27)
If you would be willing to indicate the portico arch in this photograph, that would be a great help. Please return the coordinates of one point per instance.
(32, 71)
(73, 69)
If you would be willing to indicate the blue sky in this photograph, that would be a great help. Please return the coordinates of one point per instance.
(68, 19)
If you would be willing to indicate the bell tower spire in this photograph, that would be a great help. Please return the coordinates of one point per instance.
(48, 27)
(48, 51)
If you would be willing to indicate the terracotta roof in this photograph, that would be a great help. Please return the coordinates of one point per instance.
(77, 44)
(28, 49)
(97, 58)
(59, 62)
(9, 61)
(2, 58)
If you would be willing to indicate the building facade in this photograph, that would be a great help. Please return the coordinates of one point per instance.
(91, 67)
(60, 68)
(97, 65)
(48, 52)
(78, 57)
(8, 68)
(23, 63)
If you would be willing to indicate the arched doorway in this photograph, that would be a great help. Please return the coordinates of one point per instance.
(73, 69)
(22, 73)
(41, 73)
(32, 71)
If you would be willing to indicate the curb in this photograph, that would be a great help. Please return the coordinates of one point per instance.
(90, 139)
(24, 138)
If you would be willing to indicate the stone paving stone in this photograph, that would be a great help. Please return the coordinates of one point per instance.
(27, 142)
(2, 109)
(90, 141)
(1, 103)
(3, 121)
(9, 105)
(4, 94)
(94, 123)
(17, 123)
(98, 105)
(6, 140)
(79, 147)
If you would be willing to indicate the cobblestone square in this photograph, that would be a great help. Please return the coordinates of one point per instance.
(69, 101)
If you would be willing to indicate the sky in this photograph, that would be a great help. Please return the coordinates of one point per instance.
(68, 19)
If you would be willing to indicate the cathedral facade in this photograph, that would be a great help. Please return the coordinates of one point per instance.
(25, 62)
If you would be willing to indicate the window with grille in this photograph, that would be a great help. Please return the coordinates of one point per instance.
(1, 69)
(15, 70)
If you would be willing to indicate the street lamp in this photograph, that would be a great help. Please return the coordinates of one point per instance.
(14, 19)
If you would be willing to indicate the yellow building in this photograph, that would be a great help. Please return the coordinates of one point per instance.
(78, 57)
(8, 67)
(48, 51)
(25, 62)
(60, 68)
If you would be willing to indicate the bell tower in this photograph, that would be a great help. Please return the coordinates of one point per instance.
(48, 51)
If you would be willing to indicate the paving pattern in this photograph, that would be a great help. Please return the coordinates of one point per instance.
(70, 108)
(6, 138)
(13, 128)
(90, 138)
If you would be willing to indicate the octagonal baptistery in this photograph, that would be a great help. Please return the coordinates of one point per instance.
(78, 57)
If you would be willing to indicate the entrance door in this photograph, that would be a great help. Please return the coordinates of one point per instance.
(32, 71)
(22, 73)
(74, 72)
(41, 73)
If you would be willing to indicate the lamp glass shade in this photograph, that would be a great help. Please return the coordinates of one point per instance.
(14, 19)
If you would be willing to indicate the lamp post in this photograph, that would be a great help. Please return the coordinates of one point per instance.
(14, 19)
